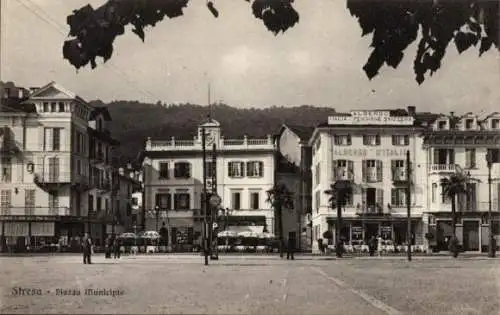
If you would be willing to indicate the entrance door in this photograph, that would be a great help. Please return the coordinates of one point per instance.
(471, 235)
(371, 229)
(443, 230)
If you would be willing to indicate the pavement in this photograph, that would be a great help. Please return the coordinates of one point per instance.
(249, 284)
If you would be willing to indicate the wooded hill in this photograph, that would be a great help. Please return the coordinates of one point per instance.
(133, 122)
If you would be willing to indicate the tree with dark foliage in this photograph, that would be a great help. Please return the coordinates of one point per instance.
(395, 24)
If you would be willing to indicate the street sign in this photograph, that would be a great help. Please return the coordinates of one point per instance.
(215, 200)
(215, 225)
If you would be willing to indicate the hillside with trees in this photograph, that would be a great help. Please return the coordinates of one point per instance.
(133, 122)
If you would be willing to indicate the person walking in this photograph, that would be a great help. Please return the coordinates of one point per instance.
(116, 247)
(372, 245)
(108, 246)
(290, 248)
(379, 245)
(87, 249)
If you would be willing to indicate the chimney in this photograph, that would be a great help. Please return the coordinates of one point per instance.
(411, 110)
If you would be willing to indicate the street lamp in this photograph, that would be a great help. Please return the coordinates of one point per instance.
(491, 245)
(157, 212)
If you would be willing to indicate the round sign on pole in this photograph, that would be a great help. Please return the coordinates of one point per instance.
(215, 200)
(215, 225)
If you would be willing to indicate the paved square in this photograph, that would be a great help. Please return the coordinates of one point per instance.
(249, 285)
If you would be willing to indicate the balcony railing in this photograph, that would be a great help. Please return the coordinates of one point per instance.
(53, 177)
(443, 168)
(372, 210)
(195, 144)
(479, 206)
(34, 211)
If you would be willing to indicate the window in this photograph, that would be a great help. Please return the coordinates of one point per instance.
(45, 107)
(235, 169)
(163, 201)
(343, 170)
(53, 107)
(54, 202)
(254, 200)
(442, 125)
(210, 166)
(52, 139)
(495, 155)
(236, 200)
(372, 171)
(317, 173)
(61, 107)
(91, 203)
(29, 201)
(317, 198)
(163, 170)
(5, 201)
(78, 167)
(400, 140)
(495, 124)
(398, 197)
(470, 158)
(371, 139)
(469, 123)
(434, 192)
(398, 170)
(255, 169)
(182, 170)
(135, 201)
(342, 139)
(106, 205)
(6, 169)
(98, 204)
(181, 201)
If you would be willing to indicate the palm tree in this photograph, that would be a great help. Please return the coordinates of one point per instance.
(280, 198)
(339, 192)
(454, 186)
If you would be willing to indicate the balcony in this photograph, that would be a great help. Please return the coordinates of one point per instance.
(25, 213)
(81, 182)
(478, 206)
(98, 157)
(371, 210)
(104, 185)
(52, 180)
(223, 144)
(399, 176)
(443, 168)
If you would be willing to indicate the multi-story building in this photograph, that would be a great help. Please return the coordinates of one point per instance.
(461, 144)
(294, 169)
(126, 220)
(173, 182)
(369, 148)
(50, 189)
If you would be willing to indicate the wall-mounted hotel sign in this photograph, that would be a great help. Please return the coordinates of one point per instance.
(370, 117)
(383, 153)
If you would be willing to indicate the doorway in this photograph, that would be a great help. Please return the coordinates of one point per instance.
(443, 231)
(471, 235)
(371, 229)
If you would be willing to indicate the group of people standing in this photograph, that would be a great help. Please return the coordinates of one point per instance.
(112, 246)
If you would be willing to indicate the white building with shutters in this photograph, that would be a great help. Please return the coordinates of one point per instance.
(173, 183)
(56, 179)
(369, 148)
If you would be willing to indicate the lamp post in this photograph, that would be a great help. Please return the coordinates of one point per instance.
(491, 247)
(157, 213)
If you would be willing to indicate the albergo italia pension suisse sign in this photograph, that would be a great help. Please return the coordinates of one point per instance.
(370, 117)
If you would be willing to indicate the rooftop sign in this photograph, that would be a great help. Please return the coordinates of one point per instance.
(370, 117)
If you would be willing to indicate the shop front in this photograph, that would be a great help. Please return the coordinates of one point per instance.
(472, 231)
(391, 230)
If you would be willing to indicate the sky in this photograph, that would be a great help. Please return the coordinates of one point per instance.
(317, 62)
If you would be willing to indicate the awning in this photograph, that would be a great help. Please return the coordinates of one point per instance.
(246, 229)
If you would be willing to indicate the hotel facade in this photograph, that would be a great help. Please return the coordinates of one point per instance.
(57, 172)
(369, 148)
(173, 183)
